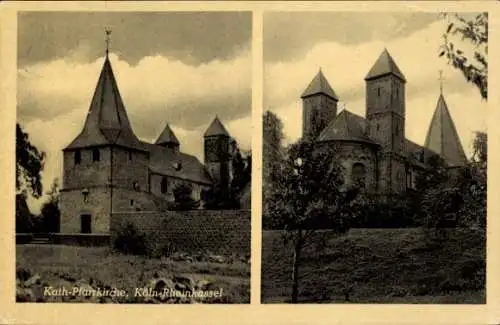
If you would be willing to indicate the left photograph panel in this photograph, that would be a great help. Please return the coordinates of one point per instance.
(133, 157)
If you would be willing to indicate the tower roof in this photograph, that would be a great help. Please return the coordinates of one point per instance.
(319, 85)
(167, 136)
(384, 65)
(216, 128)
(107, 121)
(442, 136)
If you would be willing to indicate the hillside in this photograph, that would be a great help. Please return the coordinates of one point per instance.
(379, 265)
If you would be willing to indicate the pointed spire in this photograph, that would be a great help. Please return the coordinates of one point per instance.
(216, 128)
(107, 121)
(319, 85)
(167, 137)
(384, 65)
(442, 136)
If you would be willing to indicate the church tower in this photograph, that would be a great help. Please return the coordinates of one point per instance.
(442, 137)
(319, 106)
(385, 112)
(105, 166)
(217, 154)
(168, 139)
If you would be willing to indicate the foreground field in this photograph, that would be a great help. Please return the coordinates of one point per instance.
(379, 266)
(98, 267)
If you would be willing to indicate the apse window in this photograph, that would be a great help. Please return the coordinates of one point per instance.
(96, 155)
(164, 185)
(78, 157)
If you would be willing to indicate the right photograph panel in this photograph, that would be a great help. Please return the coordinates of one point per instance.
(374, 157)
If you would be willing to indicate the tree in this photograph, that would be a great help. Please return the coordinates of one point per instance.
(306, 191)
(51, 213)
(272, 151)
(24, 218)
(29, 165)
(183, 198)
(474, 31)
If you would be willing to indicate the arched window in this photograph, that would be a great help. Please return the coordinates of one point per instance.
(78, 157)
(96, 155)
(358, 174)
(164, 185)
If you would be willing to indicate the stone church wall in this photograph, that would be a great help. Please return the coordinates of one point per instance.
(88, 172)
(73, 205)
(219, 232)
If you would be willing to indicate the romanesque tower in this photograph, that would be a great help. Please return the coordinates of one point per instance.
(319, 106)
(385, 112)
(217, 153)
(105, 166)
(168, 139)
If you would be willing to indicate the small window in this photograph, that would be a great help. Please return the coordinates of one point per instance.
(378, 92)
(130, 155)
(359, 174)
(96, 155)
(78, 157)
(135, 186)
(131, 202)
(378, 127)
(164, 185)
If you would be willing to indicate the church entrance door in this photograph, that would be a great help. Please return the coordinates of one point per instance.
(86, 224)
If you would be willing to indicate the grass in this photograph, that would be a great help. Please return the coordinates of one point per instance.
(127, 271)
(379, 266)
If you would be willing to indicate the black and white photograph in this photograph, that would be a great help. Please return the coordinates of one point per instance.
(374, 157)
(133, 157)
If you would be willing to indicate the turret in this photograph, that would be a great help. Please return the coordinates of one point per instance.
(168, 139)
(217, 145)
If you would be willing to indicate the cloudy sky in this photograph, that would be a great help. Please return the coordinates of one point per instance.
(345, 46)
(181, 68)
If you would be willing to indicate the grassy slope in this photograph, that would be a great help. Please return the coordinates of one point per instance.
(128, 272)
(382, 265)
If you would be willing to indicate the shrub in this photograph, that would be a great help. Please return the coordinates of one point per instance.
(130, 241)
(183, 198)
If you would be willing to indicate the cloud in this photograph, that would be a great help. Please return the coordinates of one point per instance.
(54, 98)
(345, 66)
(191, 37)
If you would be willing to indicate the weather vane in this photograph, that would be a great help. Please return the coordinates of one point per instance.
(108, 39)
(441, 81)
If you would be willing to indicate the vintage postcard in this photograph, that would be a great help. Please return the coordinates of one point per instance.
(133, 157)
(250, 162)
(374, 167)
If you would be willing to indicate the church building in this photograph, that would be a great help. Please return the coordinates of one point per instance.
(108, 169)
(373, 150)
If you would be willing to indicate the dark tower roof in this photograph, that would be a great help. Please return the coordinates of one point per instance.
(216, 129)
(442, 136)
(346, 126)
(167, 137)
(107, 121)
(384, 65)
(319, 85)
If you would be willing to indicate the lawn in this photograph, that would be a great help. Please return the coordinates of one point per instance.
(379, 266)
(68, 266)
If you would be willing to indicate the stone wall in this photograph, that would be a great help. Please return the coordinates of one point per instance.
(219, 232)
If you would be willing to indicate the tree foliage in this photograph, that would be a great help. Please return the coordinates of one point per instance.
(50, 211)
(273, 152)
(183, 198)
(29, 164)
(474, 31)
(308, 191)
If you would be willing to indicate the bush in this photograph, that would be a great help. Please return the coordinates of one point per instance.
(130, 241)
(183, 198)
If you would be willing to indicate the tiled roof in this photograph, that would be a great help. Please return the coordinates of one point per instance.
(319, 85)
(107, 121)
(384, 65)
(346, 126)
(168, 162)
(442, 136)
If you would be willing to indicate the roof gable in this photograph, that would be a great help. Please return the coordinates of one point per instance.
(319, 85)
(385, 65)
(442, 136)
